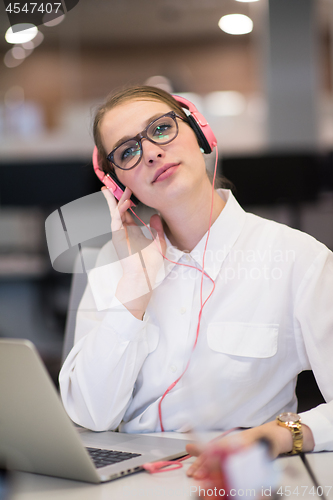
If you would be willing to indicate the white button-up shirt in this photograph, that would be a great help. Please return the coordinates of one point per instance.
(269, 318)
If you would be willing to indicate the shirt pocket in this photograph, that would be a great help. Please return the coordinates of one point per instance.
(243, 339)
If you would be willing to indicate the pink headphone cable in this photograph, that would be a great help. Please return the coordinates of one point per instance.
(201, 285)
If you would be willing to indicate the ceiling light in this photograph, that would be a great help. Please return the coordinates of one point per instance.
(28, 45)
(18, 53)
(23, 33)
(162, 82)
(225, 103)
(10, 61)
(236, 24)
(247, 1)
(196, 99)
(50, 21)
(37, 40)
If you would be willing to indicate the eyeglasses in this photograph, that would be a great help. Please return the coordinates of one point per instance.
(160, 131)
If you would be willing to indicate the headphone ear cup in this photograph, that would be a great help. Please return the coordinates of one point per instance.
(202, 140)
(111, 180)
(206, 137)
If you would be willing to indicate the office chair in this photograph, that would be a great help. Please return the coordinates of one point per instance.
(79, 283)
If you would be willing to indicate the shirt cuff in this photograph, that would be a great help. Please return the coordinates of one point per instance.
(123, 323)
(320, 421)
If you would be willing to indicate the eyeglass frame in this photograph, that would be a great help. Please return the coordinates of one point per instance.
(143, 135)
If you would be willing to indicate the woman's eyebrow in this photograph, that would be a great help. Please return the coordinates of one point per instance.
(128, 137)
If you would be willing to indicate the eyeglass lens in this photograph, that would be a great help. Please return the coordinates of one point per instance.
(161, 131)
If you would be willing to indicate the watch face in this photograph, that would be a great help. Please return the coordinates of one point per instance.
(289, 417)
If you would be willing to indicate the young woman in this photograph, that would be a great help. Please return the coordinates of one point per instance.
(147, 355)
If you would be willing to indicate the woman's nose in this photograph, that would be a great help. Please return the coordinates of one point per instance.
(151, 152)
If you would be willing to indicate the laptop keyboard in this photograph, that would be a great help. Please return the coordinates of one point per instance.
(102, 458)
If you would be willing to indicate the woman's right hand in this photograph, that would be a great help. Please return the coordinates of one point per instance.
(140, 257)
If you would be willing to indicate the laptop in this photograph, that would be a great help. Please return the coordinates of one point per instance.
(36, 434)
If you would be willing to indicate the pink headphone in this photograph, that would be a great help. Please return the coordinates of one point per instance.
(205, 136)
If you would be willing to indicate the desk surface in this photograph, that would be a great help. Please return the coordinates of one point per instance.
(295, 482)
(321, 465)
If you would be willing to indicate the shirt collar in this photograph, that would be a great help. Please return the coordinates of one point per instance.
(223, 235)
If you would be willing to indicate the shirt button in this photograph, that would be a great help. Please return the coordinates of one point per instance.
(173, 368)
(188, 258)
(183, 310)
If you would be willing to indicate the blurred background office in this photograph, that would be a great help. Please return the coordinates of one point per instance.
(262, 78)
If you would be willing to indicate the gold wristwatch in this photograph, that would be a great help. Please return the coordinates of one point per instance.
(292, 421)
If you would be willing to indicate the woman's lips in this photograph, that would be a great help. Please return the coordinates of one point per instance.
(166, 173)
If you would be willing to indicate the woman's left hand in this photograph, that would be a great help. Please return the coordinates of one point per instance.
(279, 438)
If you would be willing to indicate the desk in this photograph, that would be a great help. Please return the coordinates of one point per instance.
(322, 466)
(167, 485)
